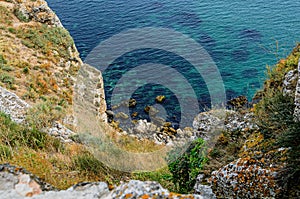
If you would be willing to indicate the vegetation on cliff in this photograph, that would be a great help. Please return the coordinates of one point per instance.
(37, 63)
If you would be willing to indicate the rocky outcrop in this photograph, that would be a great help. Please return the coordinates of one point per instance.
(16, 108)
(203, 190)
(17, 183)
(148, 189)
(297, 97)
(12, 105)
(290, 82)
(37, 11)
(89, 90)
(249, 178)
(207, 124)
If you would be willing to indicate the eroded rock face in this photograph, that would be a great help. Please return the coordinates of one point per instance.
(297, 97)
(12, 105)
(247, 178)
(207, 124)
(38, 11)
(290, 82)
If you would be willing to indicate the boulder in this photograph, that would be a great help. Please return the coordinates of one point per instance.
(160, 99)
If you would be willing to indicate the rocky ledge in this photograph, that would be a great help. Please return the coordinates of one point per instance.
(17, 183)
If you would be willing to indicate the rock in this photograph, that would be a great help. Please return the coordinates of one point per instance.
(132, 103)
(297, 97)
(289, 83)
(134, 114)
(158, 120)
(12, 105)
(122, 115)
(153, 111)
(160, 99)
(147, 109)
(240, 102)
(144, 128)
(247, 178)
(38, 11)
(203, 190)
(138, 189)
(19, 184)
(110, 114)
(61, 132)
(7, 180)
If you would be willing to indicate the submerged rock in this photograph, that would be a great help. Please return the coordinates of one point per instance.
(160, 99)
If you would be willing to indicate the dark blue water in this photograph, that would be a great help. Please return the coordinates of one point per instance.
(240, 36)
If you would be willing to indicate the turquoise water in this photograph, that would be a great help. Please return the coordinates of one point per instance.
(240, 36)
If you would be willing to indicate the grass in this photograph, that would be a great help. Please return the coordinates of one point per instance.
(47, 39)
(163, 176)
(59, 164)
(20, 15)
(274, 115)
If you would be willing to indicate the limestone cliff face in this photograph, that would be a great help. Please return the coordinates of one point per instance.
(38, 58)
(262, 164)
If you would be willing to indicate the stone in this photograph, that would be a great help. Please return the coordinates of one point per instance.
(110, 113)
(134, 114)
(289, 83)
(160, 99)
(132, 103)
(240, 102)
(147, 109)
(148, 189)
(203, 190)
(244, 177)
(297, 97)
(122, 115)
(12, 105)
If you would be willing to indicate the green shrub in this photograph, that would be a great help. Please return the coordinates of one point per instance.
(47, 39)
(6, 68)
(5, 152)
(12, 30)
(88, 163)
(21, 16)
(14, 135)
(275, 113)
(186, 168)
(2, 60)
(276, 120)
(44, 114)
(7, 79)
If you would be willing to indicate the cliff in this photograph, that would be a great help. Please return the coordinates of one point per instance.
(44, 86)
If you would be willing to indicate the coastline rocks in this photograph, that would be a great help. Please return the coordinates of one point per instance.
(207, 122)
(132, 103)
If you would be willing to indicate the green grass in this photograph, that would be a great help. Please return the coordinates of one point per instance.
(20, 15)
(163, 176)
(186, 168)
(47, 39)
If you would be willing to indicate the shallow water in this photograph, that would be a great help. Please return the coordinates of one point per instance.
(240, 36)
